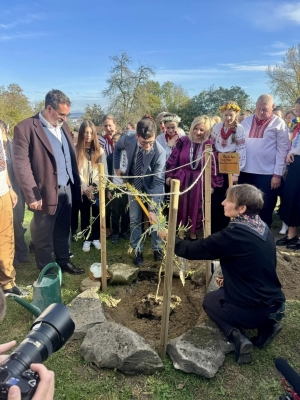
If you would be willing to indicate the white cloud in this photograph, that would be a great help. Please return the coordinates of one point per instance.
(184, 75)
(291, 12)
(277, 53)
(246, 67)
(15, 36)
(279, 45)
(28, 19)
(189, 19)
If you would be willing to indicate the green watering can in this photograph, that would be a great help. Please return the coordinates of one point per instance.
(46, 291)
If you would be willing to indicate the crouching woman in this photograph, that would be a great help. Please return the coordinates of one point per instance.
(251, 295)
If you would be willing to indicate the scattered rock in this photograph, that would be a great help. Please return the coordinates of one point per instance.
(122, 274)
(217, 273)
(200, 350)
(89, 284)
(198, 278)
(86, 311)
(110, 345)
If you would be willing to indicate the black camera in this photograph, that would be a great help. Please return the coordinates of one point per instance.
(49, 332)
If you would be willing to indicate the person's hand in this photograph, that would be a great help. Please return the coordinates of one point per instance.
(45, 389)
(5, 347)
(118, 172)
(13, 197)
(235, 178)
(275, 182)
(37, 205)
(152, 217)
(109, 195)
(168, 181)
(220, 281)
(212, 190)
(290, 158)
(163, 235)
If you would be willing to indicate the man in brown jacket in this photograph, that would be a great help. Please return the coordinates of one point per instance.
(46, 168)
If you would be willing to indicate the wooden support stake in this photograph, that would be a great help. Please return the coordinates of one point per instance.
(174, 199)
(230, 180)
(139, 200)
(207, 208)
(102, 226)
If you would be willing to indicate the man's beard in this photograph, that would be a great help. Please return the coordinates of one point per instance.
(60, 123)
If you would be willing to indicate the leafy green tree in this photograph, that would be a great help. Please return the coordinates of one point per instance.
(284, 78)
(94, 113)
(209, 101)
(14, 105)
(38, 106)
(173, 97)
(126, 89)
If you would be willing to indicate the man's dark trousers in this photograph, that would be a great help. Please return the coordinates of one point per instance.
(52, 231)
(263, 182)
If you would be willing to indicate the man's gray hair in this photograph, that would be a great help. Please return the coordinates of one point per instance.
(246, 195)
(56, 97)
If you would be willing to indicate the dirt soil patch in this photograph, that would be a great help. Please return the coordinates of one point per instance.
(182, 318)
(189, 311)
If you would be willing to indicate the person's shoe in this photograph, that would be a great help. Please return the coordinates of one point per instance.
(285, 241)
(158, 255)
(31, 247)
(97, 244)
(14, 291)
(294, 245)
(243, 347)
(86, 246)
(138, 259)
(17, 265)
(284, 229)
(125, 235)
(115, 239)
(71, 269)
(262, 340)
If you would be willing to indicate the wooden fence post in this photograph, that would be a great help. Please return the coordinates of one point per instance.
(102, 226)
(207, 208)
(174, 199)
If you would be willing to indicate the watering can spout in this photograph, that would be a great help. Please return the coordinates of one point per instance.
(30, 307)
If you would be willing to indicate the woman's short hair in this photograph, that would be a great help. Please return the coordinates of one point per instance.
(205, 120)
(246, 195)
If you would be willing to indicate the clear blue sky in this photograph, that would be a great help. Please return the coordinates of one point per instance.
(66, 44)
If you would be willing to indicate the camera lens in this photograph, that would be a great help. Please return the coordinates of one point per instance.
(50, 331)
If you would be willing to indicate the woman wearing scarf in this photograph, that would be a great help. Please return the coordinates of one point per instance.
(189, 155)
(169, 138)
(229, 137)
(250, 296)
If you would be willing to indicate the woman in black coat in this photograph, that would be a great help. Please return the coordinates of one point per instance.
(251, 295)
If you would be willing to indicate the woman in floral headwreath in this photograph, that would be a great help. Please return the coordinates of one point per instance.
(169, 138)
(229, 137)
(189, 150)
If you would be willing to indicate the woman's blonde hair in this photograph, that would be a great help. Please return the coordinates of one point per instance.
(205, 120)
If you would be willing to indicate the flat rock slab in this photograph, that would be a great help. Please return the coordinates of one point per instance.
(89, 284)
(110, 345)
(86, 311)
(122, 274)
(200, 350)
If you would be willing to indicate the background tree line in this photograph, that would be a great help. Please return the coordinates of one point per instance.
(132, 93)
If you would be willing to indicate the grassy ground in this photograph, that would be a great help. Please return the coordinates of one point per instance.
(75, 379)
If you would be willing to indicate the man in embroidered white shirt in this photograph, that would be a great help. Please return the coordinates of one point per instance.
(267, 144)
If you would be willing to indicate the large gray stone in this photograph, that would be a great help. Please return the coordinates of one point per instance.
(89, 284)
(217, 273)
(86, 311)
(200, 350)
(110, 345)
(122, 274)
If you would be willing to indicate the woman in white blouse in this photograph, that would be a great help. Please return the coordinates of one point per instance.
(229, 137)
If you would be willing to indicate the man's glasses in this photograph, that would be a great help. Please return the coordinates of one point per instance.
(145, 144)
(63, 116)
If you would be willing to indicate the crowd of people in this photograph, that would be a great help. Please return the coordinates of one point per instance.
(41, 167)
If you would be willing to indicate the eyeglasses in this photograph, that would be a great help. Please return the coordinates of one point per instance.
(63, 116)
(145, 144)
